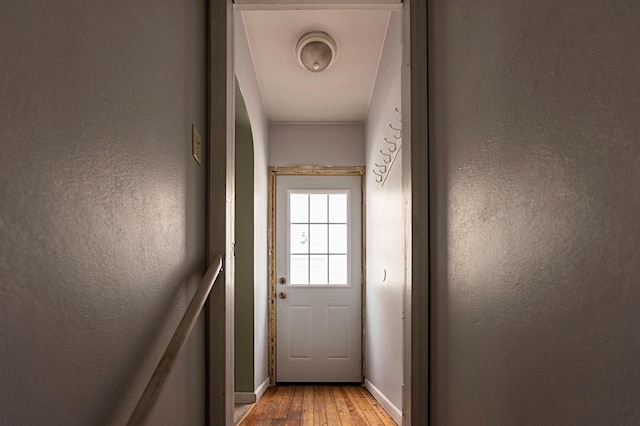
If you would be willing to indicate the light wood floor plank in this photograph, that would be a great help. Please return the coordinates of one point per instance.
(319, 410)
(377, 408)
(259, 409)
(348, 417)
(333, 417)
(317, 405)
(343, 411)
(269, 414)
(285, 404)
(361, 406)
(307, 406)
(294, 418)
(364, 400)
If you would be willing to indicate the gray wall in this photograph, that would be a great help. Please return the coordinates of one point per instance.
(385, 249)
(244, 274)
(318, 144)
(535, 170)
(102, 211)
(248, 82)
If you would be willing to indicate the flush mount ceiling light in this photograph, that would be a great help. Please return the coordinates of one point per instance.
(316, 51)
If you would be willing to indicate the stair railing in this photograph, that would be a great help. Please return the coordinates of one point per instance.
(159, 377)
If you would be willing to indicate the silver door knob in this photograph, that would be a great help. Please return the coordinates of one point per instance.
(282, 280)
(282, 295)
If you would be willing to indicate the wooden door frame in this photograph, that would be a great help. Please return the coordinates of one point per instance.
(415, 152)
(219, 340)
(274, 172)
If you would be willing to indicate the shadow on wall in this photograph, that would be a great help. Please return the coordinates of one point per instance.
(244, 270)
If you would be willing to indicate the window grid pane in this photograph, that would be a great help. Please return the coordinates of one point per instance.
(299, 238)
(338, 239)
(299, 208)
(299, 269)
(318, 269)
(318, 208)
(318, 241)
(338, 269)
(318, 238)
(338, 208)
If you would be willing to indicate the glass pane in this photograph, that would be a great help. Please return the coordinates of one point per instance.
(299, 269)
(338, 208)
(319, 269)
(318, 238)
(299, 239)
(318, 204)
(338, 239)
(298, 208)
(338, 269)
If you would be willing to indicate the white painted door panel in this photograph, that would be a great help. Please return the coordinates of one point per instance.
(318, 253)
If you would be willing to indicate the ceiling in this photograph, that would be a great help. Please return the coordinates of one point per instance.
(292, 94)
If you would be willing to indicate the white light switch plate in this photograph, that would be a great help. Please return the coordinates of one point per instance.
(196, 144)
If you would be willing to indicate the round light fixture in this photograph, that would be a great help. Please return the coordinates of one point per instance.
(316, 51)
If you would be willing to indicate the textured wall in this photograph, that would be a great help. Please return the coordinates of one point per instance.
(535, 166)
(102, 218)
(385, 252)
(316, 144)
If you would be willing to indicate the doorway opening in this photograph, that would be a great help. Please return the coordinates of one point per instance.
(316, 258)
(397, 188)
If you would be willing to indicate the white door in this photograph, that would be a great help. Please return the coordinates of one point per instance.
(318, 278)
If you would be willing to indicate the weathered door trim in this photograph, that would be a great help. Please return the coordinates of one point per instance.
(303, 171)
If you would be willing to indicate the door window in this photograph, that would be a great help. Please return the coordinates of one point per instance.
(318, 237)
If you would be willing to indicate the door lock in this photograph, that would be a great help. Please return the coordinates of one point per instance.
(282, 280)
(282, 295)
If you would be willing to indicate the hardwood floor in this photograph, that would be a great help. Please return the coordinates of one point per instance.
(317, 405)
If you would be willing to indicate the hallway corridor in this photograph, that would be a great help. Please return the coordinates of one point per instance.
(317, 405)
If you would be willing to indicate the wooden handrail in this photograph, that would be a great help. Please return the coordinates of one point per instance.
(159, 377)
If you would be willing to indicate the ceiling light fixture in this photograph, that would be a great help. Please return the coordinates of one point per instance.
(316, 51)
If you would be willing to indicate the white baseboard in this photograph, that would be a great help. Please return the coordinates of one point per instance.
(244, 397)
(262, 389)
(251, 397)
(394, 412)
